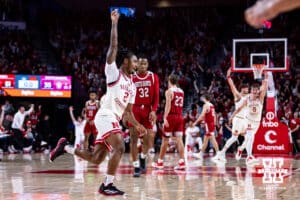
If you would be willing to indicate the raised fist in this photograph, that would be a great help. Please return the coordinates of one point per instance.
(115, 16)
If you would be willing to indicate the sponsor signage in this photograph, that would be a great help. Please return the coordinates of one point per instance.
(35, 86)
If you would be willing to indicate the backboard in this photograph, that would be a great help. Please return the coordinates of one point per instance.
(269, 51)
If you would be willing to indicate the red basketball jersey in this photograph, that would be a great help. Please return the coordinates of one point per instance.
(210, 115)
(177, 101)
(91, 110)
(145, 89)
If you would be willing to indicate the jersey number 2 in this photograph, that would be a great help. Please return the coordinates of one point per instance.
(126, 95)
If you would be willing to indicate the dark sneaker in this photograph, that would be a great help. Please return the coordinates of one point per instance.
(110, 190)
(59, 149)
(137, 172)
(143, 165)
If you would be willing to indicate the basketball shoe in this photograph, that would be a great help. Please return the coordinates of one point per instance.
(180, 166)
(251, 161)
(220, 156)
(238, 154)
(110, 190)
(58, 150)
(158, 165)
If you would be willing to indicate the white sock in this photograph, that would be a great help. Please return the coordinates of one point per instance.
(69, 149)
(246, 138)
(143, 156)
(160, 160)
(108, 179)
(181, 160)
(136, 163)
(249, 144)
(229, 142)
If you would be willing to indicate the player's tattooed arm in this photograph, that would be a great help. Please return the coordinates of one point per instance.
(113, 46)
(129, 116)
(233, 89)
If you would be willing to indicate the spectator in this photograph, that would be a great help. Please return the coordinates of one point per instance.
(18, 129)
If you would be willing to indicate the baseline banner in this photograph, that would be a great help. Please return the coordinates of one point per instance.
(272, 136)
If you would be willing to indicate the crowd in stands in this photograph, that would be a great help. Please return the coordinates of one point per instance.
(194, 45)
(17, 54)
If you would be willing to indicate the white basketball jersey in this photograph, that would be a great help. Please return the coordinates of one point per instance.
(254, 109)
(238, 104)
(120, 91)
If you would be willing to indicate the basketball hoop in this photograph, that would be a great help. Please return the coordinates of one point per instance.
(258, 70)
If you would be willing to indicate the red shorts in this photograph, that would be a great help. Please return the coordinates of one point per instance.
(141, 114)
(210, 129)
(176, 126)
(88, 128)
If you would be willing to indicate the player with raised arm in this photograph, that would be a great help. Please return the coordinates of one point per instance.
(239, 123)
(173, 123)
(144, 110)
(118, 101)
(79, 125)
(264, 10)
(254, 105)
(209, 116)
(91, 108)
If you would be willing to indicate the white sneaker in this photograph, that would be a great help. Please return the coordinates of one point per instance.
(10, 150)
(219, 157)
(27, 149)
(198, 155)
(238, 154)
(252, 161)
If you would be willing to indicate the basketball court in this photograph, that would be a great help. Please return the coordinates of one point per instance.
(32, 177)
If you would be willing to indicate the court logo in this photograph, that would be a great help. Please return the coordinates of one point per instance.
(268, 137)
(273, 171)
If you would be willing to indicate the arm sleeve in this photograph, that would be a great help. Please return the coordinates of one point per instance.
(132, 96)
(112, 72)
(156, 94)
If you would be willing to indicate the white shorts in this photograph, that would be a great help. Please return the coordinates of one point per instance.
(106, 125)
(253, 126)
(239, 125)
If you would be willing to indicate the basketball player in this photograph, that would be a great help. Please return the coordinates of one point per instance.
(119, 98)
(192, 134)
(268, 9)
(144, 110)
(173, 123)
(209, 116)
(91, 108)
(79, 125)
(239, 123)
(254, 105)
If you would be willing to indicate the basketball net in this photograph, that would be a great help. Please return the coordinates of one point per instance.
(258, 70)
